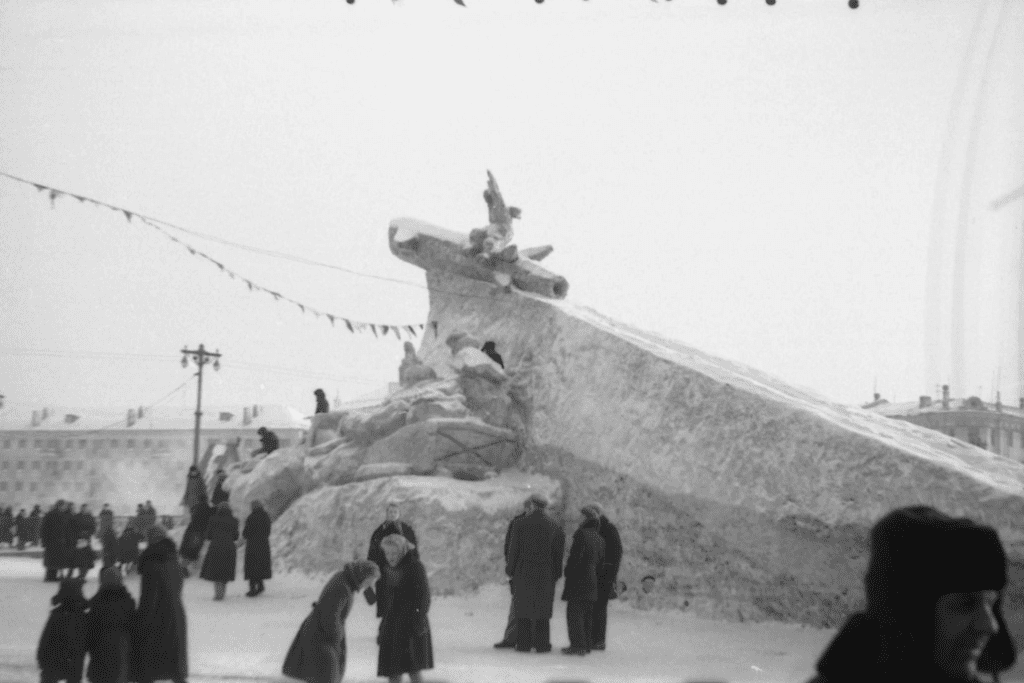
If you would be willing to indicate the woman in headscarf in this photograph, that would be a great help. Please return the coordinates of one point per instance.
(318, 652)
(404, 636)
(221, 556)
(108, 625)
(257, 549)
(159, 637)
(934, 605)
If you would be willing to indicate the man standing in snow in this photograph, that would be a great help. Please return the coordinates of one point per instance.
(509, 640)
(534, 565)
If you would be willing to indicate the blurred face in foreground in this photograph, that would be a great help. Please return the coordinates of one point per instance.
(392, 553)
(392, 513)
(964, 623)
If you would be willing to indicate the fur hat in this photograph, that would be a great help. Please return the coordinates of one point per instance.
(397, 541)
(539, 500)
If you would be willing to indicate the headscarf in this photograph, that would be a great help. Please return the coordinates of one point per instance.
(398, 541)
(359, 571)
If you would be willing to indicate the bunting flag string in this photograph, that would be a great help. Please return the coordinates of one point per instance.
(353, 326)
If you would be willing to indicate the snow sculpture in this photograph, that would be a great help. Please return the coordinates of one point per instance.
(412, 370)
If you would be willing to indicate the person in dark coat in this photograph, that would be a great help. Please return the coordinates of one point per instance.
(322, 406)
(35, 518)
(6, 522)
(108, 537)
(257, 549)
(586, 555)
(195, 535)
(489, 349)
(62, 645)
(108, 626)
(128, 548)
(934, 605)
(21, 528)
(607, 577)
(48, 536)
(159, 637)
(534, 565)
(391, 525)
(404, 636)
(221, 556)
(195, 489)
(68, 538)
(509, 638)
(268, 442)
(105, 519)
(84, 525)
(319, 650)
(219, 495)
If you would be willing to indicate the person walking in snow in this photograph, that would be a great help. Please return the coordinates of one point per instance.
(508, 639)
(319, 650)
(607, 577)
(404, 636)
(108, 628)
(391, 525)
(580, 591)
(63, 643)
(534, 565)
(256, 535)
(160, 634)
(221, 557)
(934, 588)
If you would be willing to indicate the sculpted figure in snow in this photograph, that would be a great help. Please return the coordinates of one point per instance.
(457, 341)
(495, 240)
(412, 370)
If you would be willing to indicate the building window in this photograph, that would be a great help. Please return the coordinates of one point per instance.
(81, 464)
(17, 486)
(21, 464)
(79, 486)
(147, 443)
(249, 443)
(67, 464)
(130, 443)
(70, 443)
(32, 486)
(3, 464)
(7, 443)
(113, 443)
(38, 443)
(81, 443)
(3, 485)
(35, 464)
(22, 443)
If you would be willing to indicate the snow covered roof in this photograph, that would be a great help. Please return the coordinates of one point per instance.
(973, 404)
(159, 418)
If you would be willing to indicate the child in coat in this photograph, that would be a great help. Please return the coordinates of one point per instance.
(62, 646)
(108, 624)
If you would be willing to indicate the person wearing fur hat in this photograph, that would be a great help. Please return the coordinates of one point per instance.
(534, 565)
(404, 637)
(108, 625)
(318, 652)
(586, 555)
(62, 645)
(934, 605)
(221, 557)
(391, 525)
(607, 576)
(159, 642)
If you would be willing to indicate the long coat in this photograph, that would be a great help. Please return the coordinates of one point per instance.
(585, 556)
(317, 653)
(35, 520)
(64, 640)
(221, 556)
(110, 547)
(257, 545)
(608, 572)
(160, 643)
(49, 535)
(376, 554)
(404, 636)
(21, 526)
(108, 624)
(195, 532)
(534, 564)
(6, 522)
(128, 545)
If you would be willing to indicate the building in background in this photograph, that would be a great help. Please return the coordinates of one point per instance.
(101, 456)
(992, 426)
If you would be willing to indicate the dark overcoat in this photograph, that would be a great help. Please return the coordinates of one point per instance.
(257, 545)
(106, 520)
(67, 535)
(128, 545)
(404, 635)
(376, 554)
(84, 525)
(108, 624)
(35, 519)
(110, 547)
(6, 522)
(49, 536)
(21, 526)
(534, 564)
(219, 495)
(608, 572)
(160, 635)
(195, 533)
(64, 640)
(317, 653)
(586, 554)
(221, 556)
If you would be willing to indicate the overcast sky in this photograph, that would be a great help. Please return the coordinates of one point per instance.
(758, 182)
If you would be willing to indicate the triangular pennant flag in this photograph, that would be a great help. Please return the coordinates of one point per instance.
(395, 329)
(460, 3)
(218, 264)
(301, 307)
(81, 199)
(40, 187)
(384, 328)
(53, 198)
(348, 324)
(331, 318)
(127, 214)
(191, 250)
(412, 330)
(250, 285)
(374, 328)
(273, 294)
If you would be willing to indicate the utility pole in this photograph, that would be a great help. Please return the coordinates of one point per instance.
(200, 357)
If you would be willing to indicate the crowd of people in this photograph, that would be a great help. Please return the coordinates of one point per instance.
(934, 590)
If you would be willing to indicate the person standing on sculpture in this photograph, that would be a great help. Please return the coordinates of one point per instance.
(160, 633)
(391, 525)
(580, 591)
(492, 352)
(406, 646)
(508, 640)
(319, 650)
(221, 557)
(268, 442)
(607, 576)
(534, 565)
(257, 549)
(322, 406)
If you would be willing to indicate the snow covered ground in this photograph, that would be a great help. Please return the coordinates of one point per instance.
(245, 639)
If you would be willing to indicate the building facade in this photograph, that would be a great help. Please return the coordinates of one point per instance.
(993, 426)
(100, 456)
